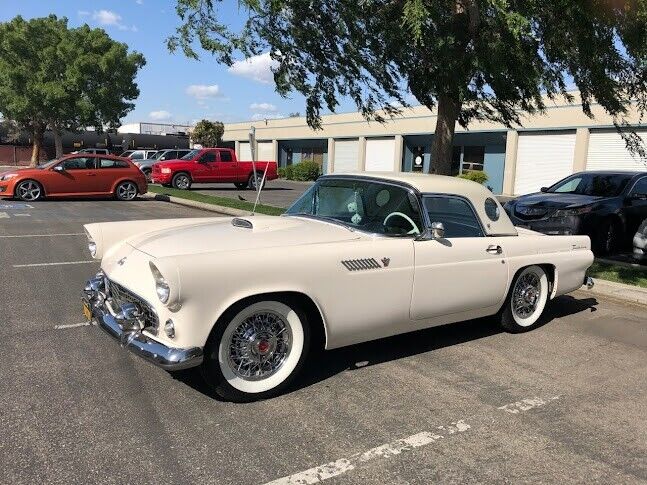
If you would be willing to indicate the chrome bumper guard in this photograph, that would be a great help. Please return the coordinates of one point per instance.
(126, 327)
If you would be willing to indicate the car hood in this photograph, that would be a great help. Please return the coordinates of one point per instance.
(555, 200)
(22, 171)
(237, 235)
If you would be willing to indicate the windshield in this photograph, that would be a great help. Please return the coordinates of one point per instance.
(369, 206)
(191, 155)
(48, 163)
(594, 184)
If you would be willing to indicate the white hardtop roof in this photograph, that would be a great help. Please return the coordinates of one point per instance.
(442, 184)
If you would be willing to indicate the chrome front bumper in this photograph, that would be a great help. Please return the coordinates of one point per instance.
(125, 327)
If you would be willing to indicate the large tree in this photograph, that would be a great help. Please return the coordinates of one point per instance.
(55, 77)
(208, 133)
(469, 59)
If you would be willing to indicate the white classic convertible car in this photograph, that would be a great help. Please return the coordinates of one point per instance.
(356, 258)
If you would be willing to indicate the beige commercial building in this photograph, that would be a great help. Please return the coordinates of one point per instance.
(518, 161)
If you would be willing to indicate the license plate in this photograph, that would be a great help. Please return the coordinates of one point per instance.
(87, 312)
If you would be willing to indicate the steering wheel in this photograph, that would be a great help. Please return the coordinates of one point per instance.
(414, 229)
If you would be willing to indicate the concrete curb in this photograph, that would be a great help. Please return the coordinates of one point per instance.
(219, 209)
(618, 291)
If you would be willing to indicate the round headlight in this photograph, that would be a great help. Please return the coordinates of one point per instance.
(161, 286)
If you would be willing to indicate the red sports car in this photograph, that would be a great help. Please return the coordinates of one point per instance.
(75, 175)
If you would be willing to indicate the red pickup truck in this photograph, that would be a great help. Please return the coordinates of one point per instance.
(208, 165)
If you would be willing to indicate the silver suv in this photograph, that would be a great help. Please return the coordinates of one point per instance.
(146, 166)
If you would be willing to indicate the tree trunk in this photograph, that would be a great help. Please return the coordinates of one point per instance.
(58, 141)
(37, 134)
(442, 147)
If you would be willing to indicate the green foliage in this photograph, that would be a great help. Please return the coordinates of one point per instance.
(477, 59)
(477, 176)
(306, 170)
(51, 75)
(286, 172)
(208, 133)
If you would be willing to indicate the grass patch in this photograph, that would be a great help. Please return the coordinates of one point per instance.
(216, 200)
(619, 274)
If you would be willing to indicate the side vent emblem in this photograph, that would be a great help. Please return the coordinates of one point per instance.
(386, 261)
(361, 264)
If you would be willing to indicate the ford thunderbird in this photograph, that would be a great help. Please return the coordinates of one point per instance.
(356, 258)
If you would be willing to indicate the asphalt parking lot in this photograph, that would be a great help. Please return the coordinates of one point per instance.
(454, 404)
(279, 193)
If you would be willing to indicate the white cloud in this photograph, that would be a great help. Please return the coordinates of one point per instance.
(202, 91)
(111, 19)
(258, 68)
(160, 115)
(262, 107)
(267, 116)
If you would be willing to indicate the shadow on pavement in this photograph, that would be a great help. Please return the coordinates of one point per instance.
(326, 364)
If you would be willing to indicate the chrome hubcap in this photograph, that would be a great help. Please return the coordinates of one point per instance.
(259, 346)
(182, 182)
(29, 190)
(525, 296)
(127, 191)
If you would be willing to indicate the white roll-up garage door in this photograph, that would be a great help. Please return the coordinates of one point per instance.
(244, 153)
(608, 151)
(380, 154)
(543, 159)
(346, 156)
(265, 150)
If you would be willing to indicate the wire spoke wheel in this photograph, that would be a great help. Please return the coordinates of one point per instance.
(28, 190)
(526, 295)
(259, 346)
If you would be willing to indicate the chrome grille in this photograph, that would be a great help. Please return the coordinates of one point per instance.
(121, 295)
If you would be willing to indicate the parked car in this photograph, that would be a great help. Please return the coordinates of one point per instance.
(356, 258)
(606, 206)
(208, 165)
(640, 242)
(75, 175)
(146, 166)
(139, 154)
(93, 151)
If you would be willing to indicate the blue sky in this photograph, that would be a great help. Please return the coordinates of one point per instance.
(172, 87)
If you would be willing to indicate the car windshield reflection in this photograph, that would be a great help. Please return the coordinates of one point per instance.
(369, 206)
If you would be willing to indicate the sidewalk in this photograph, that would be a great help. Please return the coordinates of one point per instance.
(618, 291)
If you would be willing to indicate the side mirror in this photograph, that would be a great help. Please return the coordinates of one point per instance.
(59, 168)
(437, 230)
(544, 189)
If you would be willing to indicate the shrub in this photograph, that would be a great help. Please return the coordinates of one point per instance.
(287, 172)
(477, 176)
(306, 170)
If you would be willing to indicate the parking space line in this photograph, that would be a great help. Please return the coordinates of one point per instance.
(72, 325)
(62, 263)
(526, 404)
(4, 215)
(22, 215)
(44, 235)
(343, 465)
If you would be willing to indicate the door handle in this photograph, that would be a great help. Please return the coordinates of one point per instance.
(494, 249)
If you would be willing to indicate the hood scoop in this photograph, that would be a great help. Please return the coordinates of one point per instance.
(244, 223)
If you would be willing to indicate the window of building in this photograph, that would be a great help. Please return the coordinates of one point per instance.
(473, 158)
